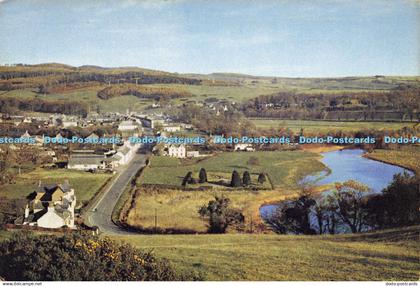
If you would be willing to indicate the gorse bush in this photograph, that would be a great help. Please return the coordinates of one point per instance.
(79, 258)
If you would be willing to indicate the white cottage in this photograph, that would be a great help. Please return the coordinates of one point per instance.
(51, 207)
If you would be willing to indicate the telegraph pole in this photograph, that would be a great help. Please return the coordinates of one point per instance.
(155, 220)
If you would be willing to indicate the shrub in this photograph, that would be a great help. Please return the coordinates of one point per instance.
(202, 176)
(187, 179)
(246, 179)
(236, 180)
(79, 257)
(261, 178)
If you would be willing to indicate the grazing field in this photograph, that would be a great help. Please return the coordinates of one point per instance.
(85, 184)
(312, 126)
(408, 157)
(284, 168)
(386, 255)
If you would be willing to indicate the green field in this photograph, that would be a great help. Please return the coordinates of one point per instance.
(312, 126)
(284, 168)
(388, 255)
(85, 184)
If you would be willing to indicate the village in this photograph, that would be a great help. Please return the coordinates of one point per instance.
(97, 144)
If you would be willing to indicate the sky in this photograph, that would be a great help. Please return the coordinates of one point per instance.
(293, 38)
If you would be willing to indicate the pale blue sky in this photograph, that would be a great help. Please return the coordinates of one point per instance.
(282, 38)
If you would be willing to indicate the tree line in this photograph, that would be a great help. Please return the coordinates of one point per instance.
(19, 79)
(350, 208)
(156, 93)
(400, 104)
(11, 105)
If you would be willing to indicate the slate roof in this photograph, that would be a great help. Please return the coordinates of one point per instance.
(88, 159)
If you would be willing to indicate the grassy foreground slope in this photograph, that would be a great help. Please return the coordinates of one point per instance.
(387, 255)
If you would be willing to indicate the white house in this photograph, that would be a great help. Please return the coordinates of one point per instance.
(172, 128)
(244, 147)
(51, 207)
(128, 125)
(69, 123)
(124, 154)
(177, 151)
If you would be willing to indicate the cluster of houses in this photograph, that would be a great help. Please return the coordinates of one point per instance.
(89, 160)
(180, 151)
(64, 121)
(53, 206)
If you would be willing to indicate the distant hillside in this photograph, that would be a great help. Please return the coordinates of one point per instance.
(55, 82)
(377, 82)
(53, 74)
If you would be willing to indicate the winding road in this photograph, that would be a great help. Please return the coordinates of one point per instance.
(100, 214)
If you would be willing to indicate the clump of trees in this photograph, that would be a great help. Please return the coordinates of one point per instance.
(350, 208)
(188, 179)
(221, 216)
(228, 123)
(79, 257)
(10, 105)
(235, 182)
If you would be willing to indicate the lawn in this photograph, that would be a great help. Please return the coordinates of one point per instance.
(387, 255)
(284, 168)
(312, 126)
(85, 184)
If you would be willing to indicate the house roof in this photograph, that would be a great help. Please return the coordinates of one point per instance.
(88, 159)
(65, 187)
(45, 193)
